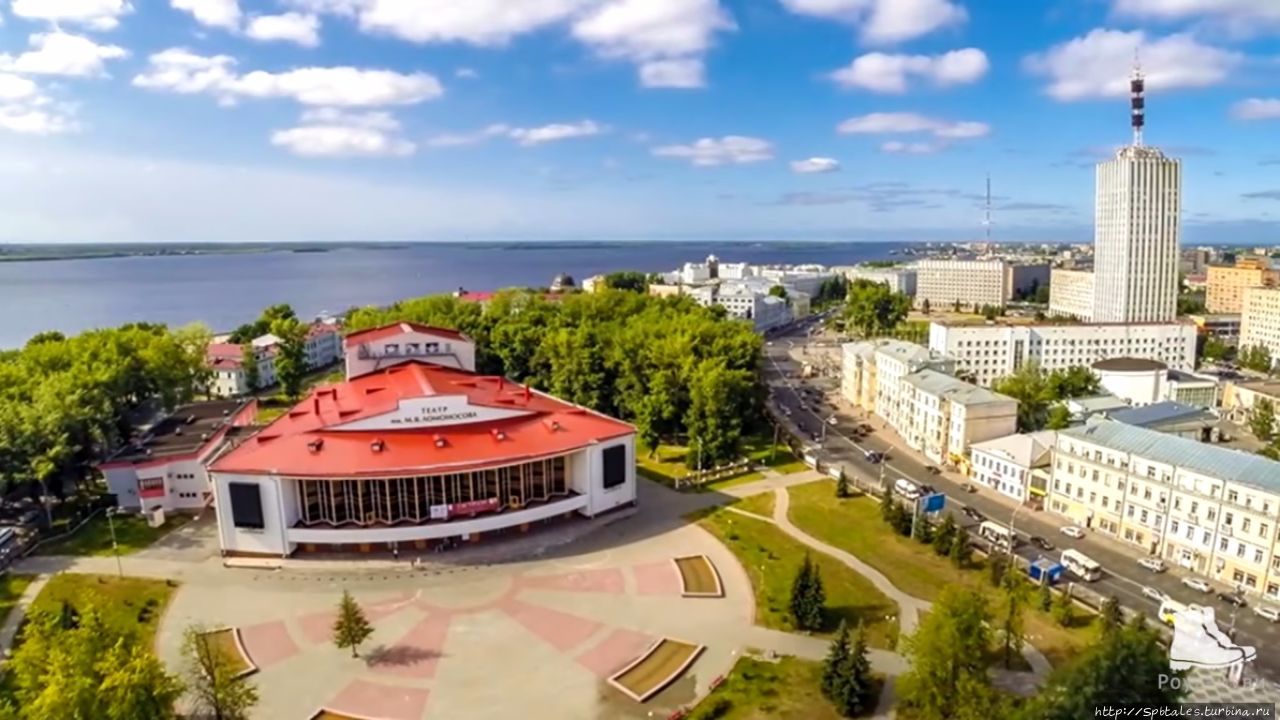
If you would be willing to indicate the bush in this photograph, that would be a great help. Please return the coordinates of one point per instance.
(716, 709)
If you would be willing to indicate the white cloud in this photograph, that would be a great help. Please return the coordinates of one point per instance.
(527, 137)
(466, 73)
(554, 132)
(886, 73)
(329, 132)
(290, 27)
(884, 21)
(25, 109)
(59, 53)
(679, 73)
(815, 165)
(896, 147)
(667, 38)
(94, 14)
(727, 150)
(1098, 65)
(211, 13)
(906, 123)
(14, 87)
(478, 22)
(179, 70)
(1257, 109)
(1244, 17)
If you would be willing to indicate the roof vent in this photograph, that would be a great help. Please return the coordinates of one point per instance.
(315, 445)
(190, 419)
(440, 441)
(377, 445)
(226, 411)
(555, 426)
(498, 435)
(177, 430)
(204, 436)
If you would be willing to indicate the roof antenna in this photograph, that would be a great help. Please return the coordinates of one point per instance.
(1138, 105)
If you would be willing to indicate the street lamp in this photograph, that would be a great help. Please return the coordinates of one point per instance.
(115, 547)
(1012, 534)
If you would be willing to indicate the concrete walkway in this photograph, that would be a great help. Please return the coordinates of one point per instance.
(18, 613)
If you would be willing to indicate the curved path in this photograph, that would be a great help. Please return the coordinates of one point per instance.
(909, 606)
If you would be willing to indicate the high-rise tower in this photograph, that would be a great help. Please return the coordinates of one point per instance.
(1137, 217)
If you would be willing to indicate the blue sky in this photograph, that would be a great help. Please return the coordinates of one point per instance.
(291, 120)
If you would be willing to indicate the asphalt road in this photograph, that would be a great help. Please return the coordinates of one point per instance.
(1123, 577)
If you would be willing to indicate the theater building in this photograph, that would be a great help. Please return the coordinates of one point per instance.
(413, 453)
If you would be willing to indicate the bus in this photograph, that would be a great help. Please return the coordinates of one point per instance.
(997, 534)
(1081, 565)
(907, 489)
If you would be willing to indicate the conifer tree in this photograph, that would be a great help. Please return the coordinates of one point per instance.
(352, 627)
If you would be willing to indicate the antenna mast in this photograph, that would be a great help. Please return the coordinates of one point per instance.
(986, 219)
(1137, 101)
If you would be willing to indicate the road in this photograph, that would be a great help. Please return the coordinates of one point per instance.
(1123, 578)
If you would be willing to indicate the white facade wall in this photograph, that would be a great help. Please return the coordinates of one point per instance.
(973, 283)
(1260, 320)
(1138, 387)
(1071, 294)
(186, 485)
(990, 352)
(1138, 209)
(324, 349)
(899, 280)
(1001, 473)
(383, 353)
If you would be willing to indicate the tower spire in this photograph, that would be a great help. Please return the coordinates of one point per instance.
(986, 219)
(1137, 99)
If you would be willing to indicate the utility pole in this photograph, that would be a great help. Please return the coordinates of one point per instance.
(115, 547)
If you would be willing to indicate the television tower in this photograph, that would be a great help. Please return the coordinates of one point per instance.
(1137, 100)
(986, 217)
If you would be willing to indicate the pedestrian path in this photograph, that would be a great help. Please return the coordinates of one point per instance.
(11, 624)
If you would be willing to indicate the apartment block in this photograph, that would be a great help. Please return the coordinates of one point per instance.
(971, 283)
(1208, 509)
(941, 416)
(1224, 292)
(1071, 294)
(1260, 320)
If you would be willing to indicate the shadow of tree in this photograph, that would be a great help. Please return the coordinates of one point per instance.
(399, 655)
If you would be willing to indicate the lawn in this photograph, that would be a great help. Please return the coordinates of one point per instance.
(11, 588)
(772, 558)
(94, 537)
(789, 689)
(129, 604)
(670, 462)
(760, 504)
(854, 525)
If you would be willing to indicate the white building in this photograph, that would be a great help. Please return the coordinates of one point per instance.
(735, 271)
(942, 415)
(163, 468)
(379, 348)
(747, 300)
(694, 273)
(805, 281)
(898, 279)
(972, 283)
(1071, 294)
(1141, 382)
(1136, 237)
(1008, 464)
(324, 345)
(894, 360)
(989, 352)
(227, 376)
(1260, 320)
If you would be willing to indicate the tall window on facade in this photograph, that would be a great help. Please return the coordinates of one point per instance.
(615, 466)
(246, 505)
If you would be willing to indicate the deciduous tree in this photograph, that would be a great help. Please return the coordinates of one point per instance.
(214, 679)
(948, 656)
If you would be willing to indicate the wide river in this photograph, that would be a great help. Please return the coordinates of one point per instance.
(226, 290)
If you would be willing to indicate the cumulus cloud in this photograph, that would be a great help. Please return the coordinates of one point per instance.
(667, 38)
(885, 73)
(1098, 65)
(179, 70)
(211, 13)
(60, 53)
(331, 132)
(466, 73)
(907, 123)
(1257, 109)
(897, 147)
(525, 136)
(680, 73)
(1243, 17)
(727, 150)
(25, 108)
(291, 27)
(93, 14)
(884, 21)
(815, 165)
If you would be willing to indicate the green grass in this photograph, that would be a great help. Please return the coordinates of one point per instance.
(734, 481)
(671, 462)
(789, 689)
(128, 604)
(94, 538)
(854, 525)
(771, 559)
(11, 588)
(760, 504)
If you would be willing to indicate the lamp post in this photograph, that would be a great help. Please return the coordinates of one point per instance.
(115, 547)
(1012, 534)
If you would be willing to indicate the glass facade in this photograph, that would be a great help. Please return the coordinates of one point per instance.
(410, 500)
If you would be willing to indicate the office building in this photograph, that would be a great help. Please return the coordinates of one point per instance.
(970, 283)
(1145, 382)
(991, 351)
(942, 415)
(1207, 509)
(897, 279)
(1014, 465)
(1222, 327)
(1226, 285)
(1071, 294)
(1260, 320)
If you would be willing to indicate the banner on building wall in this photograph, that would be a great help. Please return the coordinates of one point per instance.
(474, 507)
(439, 512)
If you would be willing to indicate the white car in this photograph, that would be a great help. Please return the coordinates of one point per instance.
(1197, 584)
(1072, 531)
(1267, 612)
(1154, 594)
(1153, 564)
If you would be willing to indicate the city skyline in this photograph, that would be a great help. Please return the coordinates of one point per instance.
(323, 120)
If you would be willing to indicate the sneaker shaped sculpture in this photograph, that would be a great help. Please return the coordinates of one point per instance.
(1197, 642)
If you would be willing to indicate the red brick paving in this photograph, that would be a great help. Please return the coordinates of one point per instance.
(375, 700)
(268, 643)
(418, 653)
(604, 580)
(317, 627)
(615, 652)
(560, 630)
(658, 578)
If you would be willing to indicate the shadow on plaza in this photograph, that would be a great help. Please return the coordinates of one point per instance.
(399, 656)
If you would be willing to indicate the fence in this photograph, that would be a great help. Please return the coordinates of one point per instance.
(696, 479)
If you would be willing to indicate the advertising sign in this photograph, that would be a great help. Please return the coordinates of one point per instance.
(439, 512)
(474, 507)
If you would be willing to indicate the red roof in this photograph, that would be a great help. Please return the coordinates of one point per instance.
(224, 350)
(304, 442)
(320, 328)
(394, 329)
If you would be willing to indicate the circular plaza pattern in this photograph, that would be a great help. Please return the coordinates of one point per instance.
(528, 638)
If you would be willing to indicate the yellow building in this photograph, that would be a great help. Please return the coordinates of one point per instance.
(1224, 292)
